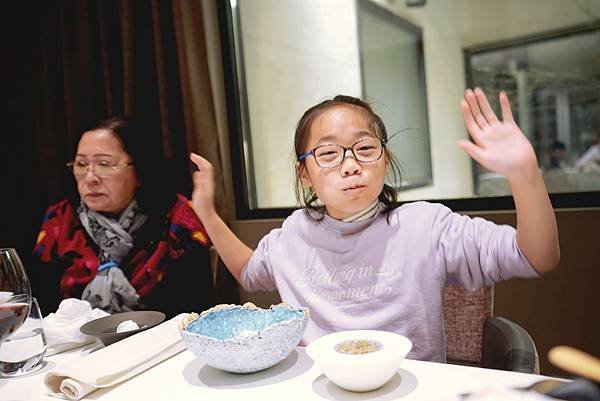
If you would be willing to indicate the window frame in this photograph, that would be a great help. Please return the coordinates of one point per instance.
(417, 31)
(243, 189)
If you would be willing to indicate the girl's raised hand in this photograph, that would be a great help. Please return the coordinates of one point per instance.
(499, 146)
(204, 187)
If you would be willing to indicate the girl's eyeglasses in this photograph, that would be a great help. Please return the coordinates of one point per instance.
(332, 155)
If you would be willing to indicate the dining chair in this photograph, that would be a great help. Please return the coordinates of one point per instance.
(474, 336)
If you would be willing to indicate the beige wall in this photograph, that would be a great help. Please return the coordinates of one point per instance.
(288, 69)
(484, 21)
(559, 308)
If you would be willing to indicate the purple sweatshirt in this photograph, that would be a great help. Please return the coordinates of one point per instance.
(374, 275)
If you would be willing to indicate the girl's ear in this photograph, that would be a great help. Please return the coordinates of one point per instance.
(302, 173)
(387, 163)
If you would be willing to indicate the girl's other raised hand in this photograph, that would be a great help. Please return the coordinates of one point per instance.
(204, 187)
(499, 146)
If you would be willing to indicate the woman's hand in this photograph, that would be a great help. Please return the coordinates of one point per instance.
(203, 194)
(499, 146)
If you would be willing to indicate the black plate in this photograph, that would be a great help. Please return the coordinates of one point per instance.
(105, 328)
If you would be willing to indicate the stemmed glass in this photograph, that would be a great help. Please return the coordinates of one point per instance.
(15, 293)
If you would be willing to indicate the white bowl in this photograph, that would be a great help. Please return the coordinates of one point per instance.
(244, 339)
(359, 372)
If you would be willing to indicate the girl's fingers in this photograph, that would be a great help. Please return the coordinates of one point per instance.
(204, 176)
(473, 150)
(475, 110)
(200, 161)
(507, 115)
(485, 107)
(470, 123)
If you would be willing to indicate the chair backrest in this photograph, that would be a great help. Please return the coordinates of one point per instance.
(475, 337)
(465, 314)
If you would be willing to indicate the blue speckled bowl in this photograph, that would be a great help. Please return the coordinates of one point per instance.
(244, 339)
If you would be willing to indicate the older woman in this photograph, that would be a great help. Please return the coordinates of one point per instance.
(124, 242)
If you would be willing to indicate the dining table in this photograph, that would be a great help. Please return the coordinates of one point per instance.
(185, 377)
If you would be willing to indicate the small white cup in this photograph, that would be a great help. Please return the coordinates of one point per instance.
(359, 372)
(23, 352)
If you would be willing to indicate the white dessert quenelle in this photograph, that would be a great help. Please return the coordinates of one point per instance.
(127, 325)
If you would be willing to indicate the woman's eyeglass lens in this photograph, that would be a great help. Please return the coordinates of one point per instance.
(366, 151)
(101, 169)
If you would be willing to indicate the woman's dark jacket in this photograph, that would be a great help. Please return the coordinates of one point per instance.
(169, 265)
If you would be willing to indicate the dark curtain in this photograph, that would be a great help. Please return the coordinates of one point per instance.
(66, 62)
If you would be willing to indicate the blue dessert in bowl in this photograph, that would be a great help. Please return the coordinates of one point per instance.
(244, 338)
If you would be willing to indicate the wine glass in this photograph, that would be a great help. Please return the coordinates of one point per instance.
(15, 293)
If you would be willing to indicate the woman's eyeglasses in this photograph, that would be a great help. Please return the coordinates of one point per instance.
(79, 168)
(366, 150)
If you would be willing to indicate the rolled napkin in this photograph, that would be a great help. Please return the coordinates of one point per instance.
(117, 362)
(62, 327)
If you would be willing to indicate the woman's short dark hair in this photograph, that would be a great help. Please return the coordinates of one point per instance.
(306, 196)
(155, 193)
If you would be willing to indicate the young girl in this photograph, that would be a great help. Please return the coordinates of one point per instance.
(356, 259)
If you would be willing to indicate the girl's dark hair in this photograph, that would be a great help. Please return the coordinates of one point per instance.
(307, 197)
(156, 193)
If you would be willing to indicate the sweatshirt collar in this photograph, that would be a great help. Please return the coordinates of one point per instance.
(352, 227)
(364, 214)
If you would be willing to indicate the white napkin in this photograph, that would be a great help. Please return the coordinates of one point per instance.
(62, 327)
(4, 295)
(117, 362)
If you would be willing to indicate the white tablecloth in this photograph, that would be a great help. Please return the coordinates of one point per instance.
(183, 377)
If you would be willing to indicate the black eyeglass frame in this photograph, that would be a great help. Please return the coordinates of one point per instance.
(345, 149)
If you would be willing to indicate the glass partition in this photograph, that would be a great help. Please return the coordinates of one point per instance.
(555, 86)
(412, 61)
